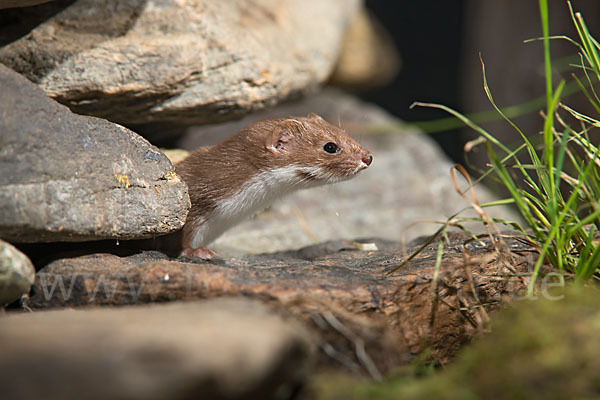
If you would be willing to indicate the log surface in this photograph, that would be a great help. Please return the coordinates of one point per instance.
(346, 296)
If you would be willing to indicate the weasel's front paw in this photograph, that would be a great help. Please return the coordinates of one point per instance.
(203, 253)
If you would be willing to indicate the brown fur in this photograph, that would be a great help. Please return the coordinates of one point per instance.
(217, 172)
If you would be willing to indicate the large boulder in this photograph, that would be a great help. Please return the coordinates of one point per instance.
(136, 62)
(219, 349)
(66, 177)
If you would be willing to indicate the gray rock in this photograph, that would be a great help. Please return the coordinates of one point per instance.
(66, 177)
(17, 273)
(136, 62)
(20, 3)
(217, 349)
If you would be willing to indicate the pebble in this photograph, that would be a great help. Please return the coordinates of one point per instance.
(16, 273)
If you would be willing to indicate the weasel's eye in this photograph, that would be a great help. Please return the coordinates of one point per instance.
(331, 148)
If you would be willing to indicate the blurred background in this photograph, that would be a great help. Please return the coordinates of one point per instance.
(438, 45)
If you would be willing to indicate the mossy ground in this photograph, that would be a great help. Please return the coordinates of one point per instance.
(538, 349)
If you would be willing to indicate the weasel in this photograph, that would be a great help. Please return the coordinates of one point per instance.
(245, 173)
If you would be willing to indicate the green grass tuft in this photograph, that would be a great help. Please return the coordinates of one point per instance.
(554, 185)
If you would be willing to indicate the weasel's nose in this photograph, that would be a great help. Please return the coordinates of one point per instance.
(368, 159)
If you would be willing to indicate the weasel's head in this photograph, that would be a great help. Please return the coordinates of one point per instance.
(318, 152)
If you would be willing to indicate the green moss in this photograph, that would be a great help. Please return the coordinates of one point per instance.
(538, 349)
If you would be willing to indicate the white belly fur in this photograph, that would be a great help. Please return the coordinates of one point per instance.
(255, 195)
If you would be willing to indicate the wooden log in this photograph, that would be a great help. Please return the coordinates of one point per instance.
(367, 319)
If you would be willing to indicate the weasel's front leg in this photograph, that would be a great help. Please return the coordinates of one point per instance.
(191, 249)
(203, 253)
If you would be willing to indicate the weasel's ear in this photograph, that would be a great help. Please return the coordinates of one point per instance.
(315, 116)
(279, 140)
(283, 135)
